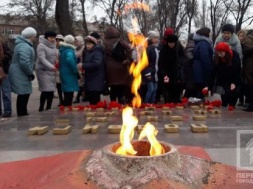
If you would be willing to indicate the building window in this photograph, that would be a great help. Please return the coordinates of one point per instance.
(10, 32)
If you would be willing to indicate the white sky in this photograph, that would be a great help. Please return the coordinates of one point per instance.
(91, 12)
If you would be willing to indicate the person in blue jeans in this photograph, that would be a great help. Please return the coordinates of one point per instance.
(5, 89)
(150, 72)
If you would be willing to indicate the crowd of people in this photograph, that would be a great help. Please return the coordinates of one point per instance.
(88, 67)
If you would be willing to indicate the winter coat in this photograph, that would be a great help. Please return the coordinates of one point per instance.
(117, 73)
(94, 69)
(248, 58)
(68, 68)
(203, 59)
(7, 57)
(234, 42)
(152, 68)
(226, 74)
(79, 49)
(46, 57)
(190, 48)
(170, 62)
(22, 66)
(188, 62)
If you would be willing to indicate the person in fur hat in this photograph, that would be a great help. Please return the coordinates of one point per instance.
(227, 71)
(228, 35)
(45, 69)
(169, 69)
(68, 69)
(94, 70)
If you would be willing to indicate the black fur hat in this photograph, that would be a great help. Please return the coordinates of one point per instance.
(171, 38)
(228, 28)
(50, 34)
(95, 34)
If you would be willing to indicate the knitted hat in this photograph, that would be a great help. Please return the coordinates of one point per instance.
(171, 38)
(80, 40)
(95, 35)
(59, 36)
(204, 31)
(69, 39)
(91, 39)
(152, 34)
(224, 47)
(50, 34)
(228, 28)
(168, 31)
(28, 32)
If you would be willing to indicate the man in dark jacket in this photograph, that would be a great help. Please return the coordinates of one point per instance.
(5, 90)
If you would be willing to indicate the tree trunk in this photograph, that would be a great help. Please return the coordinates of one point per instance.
(62, 17)
(85, 27)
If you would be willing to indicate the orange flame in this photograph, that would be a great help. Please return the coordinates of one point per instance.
(136, 5)
(140, 43)
(127, 132)
(150, 132)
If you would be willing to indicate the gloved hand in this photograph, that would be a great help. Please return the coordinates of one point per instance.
(31, 77)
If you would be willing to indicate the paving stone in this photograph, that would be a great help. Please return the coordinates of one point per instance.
(94, 129)
(38, 130)
(167, 112)
(152, 118)
(112, 113)
(62, 131)
(90, 114)
(171, 128)
(143, 113)
(199, 128)
(199, 118)
(114, 129)
(86, 129)
(176, 118)
(200, 112)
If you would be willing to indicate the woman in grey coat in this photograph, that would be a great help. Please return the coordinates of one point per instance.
(45, 68)
(21, 69)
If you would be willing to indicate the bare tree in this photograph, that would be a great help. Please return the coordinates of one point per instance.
(62, 17)
(163, 14)
(83, 12)
(113, 9)
(178, 15)
(202, 15)
(191, 7)
(171, 14)
(239, 10)
(38, 9)
(219, 11)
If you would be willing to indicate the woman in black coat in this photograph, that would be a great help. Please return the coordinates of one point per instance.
(227, 74)
(94, 70)
(170, 65)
